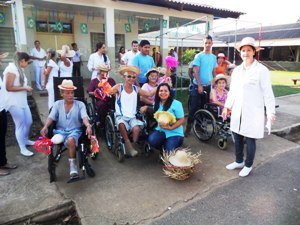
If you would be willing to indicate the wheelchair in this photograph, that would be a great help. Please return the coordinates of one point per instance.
(83, 150)
(209, 123)
(114, 140)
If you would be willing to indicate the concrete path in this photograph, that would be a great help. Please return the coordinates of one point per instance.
(134, 192)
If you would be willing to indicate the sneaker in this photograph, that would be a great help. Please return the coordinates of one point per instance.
(245, 171)
(31, 143)
(26, 152)
(235, 165)
(3, 172)
(130, 150)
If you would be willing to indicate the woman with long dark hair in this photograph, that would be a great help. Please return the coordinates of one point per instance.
(16, 89)
(98, 58)
(168, 135)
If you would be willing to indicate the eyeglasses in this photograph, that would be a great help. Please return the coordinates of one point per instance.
(129, 76)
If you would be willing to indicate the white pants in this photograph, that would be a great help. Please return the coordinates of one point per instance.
(38, 73)
(23, 119)
(50, 90)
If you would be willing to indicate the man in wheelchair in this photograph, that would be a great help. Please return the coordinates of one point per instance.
(126, 107)
(68, 114)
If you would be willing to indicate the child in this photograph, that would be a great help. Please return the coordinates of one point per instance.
(218, 94)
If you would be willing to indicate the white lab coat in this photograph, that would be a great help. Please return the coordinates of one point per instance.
(250, 91)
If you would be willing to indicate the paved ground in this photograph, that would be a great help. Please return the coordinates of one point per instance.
(134, 192)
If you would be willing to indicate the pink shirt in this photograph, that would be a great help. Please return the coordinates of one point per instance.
(149, 88)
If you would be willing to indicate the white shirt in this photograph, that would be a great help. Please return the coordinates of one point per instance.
(128, 57)
(76, 57)
(2, 95)
(64, 70)
(39, 54)
(126, 103)
(96, 60)
(17, 98)
(53, 73)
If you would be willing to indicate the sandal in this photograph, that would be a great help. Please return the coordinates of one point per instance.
(8, 166)
(3, 172)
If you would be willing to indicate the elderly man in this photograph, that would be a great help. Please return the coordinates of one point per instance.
(126, 107)
(69, 114)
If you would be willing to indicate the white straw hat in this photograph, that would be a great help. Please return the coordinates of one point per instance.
(180, 159)
(67, 85)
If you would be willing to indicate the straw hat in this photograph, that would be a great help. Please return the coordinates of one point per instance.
(221, 55)
(65, 49)
(162, 70)
(103, 68)
(248, 41)
(150, 71)
(67, 85)
(180, 159)
(125, 69)
(219, 77)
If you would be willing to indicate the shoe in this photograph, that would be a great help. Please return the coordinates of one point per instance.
(235, 165)
(3, 172)
(188, 129)
(26, 152)
(31, 143)
(245, 171)
(73, 168)
(136, 146)
(129, 149)
(8, 166)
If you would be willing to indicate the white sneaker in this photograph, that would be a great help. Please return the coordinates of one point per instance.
(28, 142)
(26, 152)
(245, 171)
(73, 167)
(235, 165)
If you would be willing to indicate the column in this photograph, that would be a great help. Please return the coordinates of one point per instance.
(110, 35)
(19, 25)
(164, 38)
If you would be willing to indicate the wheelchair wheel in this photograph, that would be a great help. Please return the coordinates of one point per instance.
(92, 115)
(89, 171)
(204, 125)
(222, 144)
(120, 152)
(110, 135)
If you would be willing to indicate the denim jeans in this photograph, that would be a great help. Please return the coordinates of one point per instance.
(38, 74)
(197, 100)
(157, 139)
(239, 142)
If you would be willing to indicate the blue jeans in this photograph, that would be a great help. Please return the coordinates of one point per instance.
(239, 142)
(197, 100)
(157, 139)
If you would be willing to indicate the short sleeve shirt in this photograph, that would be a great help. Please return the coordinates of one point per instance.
(207, 63)
(144, 63)
(71, 120)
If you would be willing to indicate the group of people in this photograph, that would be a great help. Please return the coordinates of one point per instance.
(250, 90)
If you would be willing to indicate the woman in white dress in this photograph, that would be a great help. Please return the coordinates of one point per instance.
(15, 93)
(65, 63)
(50, 72)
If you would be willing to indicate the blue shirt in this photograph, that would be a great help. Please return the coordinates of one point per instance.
(71, 120)
(177, 110)
(144, 63)
(207, 63)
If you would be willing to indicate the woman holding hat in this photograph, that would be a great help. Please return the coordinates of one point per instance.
(250, 91)
(65, 63)
(105, 103)
(16, 88)
(223, 64)
(218, 94)
(50, 72)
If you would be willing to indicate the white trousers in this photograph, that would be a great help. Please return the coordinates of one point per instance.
(38, 73)
(23, 119)
(50, 90)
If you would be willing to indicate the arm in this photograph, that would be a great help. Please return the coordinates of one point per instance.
(146, 100)
(46, 76)
(10, 78)
(88, 126)
(44, 130)
(65, 60)
(196, 75)
(115, 89)
(213, 97)
(90, 64)
(146, 93)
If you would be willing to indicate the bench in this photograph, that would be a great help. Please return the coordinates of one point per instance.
(295, 80)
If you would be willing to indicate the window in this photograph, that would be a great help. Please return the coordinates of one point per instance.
(95, 38)
(49, 26)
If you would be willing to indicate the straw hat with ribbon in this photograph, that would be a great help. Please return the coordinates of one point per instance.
(65, 49)
(124, 70)
(67, 85)
(180, 164)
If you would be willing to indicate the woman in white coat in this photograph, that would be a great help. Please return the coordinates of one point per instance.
(250, 91)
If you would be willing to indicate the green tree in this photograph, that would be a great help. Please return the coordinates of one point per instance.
(188, 56)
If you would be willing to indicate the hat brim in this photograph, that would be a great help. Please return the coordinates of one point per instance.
(150, 71)
(103, 69)
(67, 88)
(70, 53)
(173, 160)
(127, 69)
(257, 49)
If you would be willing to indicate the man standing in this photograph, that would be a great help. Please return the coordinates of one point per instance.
(76, 61)
(128, 56)
(143, 61)
(204, 66)
(38, 55)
